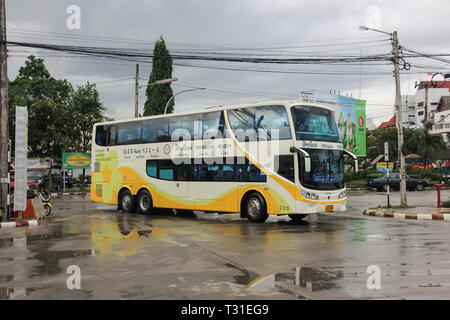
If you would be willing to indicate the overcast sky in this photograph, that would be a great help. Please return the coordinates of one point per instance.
(290, 25)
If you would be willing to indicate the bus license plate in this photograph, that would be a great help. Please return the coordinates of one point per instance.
(329, 208)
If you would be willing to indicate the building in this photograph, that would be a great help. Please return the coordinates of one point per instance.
(390, 124)
(427, 98)
(409, 111)
(441, 119)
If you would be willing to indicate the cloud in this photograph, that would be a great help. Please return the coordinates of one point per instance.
(246, 24)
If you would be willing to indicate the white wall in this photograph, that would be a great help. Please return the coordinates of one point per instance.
(434, 95)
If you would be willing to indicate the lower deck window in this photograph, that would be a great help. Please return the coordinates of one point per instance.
(219, 169)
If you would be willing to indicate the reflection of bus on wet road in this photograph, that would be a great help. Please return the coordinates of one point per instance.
(257, 159)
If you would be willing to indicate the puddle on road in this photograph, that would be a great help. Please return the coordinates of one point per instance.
(31, 255)
(51, 259)
(246, 277)
(15, 293)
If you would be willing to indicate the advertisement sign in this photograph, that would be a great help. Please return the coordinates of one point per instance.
(20, 169)
(386, 151)
(39, 163)
(350, 116)
(76, 160)
(382, 166)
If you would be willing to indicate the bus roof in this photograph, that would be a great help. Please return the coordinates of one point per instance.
(220, 108)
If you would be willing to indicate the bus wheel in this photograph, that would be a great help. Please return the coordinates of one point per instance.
(255, 208)
(297, 217)
(127, 202)
(145, 203)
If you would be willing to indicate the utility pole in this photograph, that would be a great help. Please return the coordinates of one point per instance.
(398, 106)
(426, 105)
(136, 93)
(399, 109)
(4, 116)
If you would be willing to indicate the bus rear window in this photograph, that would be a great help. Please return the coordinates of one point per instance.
(100, 135)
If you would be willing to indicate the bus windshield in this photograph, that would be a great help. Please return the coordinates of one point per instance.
(327, 170)
(313, 123)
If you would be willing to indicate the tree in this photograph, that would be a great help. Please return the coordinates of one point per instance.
(48, 104)
(87, 110)
(417, 141)
(375, 143)
(159, 95)
(428, 144)
(60, 119)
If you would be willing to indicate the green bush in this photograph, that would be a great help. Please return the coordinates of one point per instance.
(361, 174)
(430, 174)
(445, 204)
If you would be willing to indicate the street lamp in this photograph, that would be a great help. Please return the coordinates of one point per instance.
(364, 28)
(137, 87)
(398, 107)
(163, 81)
(171, 98)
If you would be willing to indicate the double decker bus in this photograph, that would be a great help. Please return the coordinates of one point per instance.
(279, 158)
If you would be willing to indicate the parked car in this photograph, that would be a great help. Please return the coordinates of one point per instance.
(68, 178)
(380, 183)
(32, 186)
(42, 178)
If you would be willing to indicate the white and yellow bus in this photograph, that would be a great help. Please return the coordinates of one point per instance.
(258, 159)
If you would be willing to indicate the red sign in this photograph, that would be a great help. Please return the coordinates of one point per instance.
(361, 121)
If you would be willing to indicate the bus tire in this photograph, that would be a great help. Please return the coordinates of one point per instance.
(127, 201)
(297, 217)
(255, 208)
(145, 202)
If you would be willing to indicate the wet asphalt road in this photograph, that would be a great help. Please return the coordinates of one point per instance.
(211, 256)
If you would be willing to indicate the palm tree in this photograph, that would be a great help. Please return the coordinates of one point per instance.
(428, 144)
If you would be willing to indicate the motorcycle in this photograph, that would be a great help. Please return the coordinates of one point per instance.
(45, 197)
(43, 194)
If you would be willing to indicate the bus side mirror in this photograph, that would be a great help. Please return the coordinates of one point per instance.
(354, 157)
(307, 164)
(305, 156)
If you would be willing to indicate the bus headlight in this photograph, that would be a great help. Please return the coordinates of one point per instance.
(342, 194)
(309, 195)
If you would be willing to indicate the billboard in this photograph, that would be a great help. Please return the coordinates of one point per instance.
(350, 117)
(76, 160)
(382, 166)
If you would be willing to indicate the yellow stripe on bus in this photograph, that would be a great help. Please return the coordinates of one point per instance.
(287, 185)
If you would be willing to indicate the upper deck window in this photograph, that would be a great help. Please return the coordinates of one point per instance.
(156, 130)
(212, 125)
(314, 123)
(129, 133)
(260, 123)
(182, 127)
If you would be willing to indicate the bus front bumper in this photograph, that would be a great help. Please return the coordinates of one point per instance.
(307, 207)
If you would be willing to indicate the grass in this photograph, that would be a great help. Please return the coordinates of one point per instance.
(357, 182)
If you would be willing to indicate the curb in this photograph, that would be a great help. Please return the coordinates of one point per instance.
(60, 194)
(13, 224)
(418, 216)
